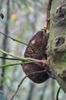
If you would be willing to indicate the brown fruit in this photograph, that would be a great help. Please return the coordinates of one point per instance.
(37, 49)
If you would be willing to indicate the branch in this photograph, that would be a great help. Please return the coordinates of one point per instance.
(13, 38)
(27, 59)
(8, 58)
(48, 14)
(58, 93)
(7, 65)
(21, 82)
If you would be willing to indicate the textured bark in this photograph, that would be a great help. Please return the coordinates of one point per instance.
(57, 38)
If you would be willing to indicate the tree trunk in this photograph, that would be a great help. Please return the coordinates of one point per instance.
(57, 41)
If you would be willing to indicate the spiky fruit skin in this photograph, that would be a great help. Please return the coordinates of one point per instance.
(37, 49)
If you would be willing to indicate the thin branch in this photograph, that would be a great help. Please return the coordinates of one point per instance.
(57, 96)
(21, 63)
(8, 65)
(51, 75)
(18, 87)
(27, 59)
(21, 82)
(13, 38)
(8, 58)
(48, 14)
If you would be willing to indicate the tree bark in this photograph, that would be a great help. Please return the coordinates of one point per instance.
(57, 39)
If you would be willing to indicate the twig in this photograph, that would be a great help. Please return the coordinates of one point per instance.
(51, 75)
(7, 65)
(27, 59)
(57, 96)
(8, 58)
(21, 63)
(18, 41)
(13, 39)
(23, 81)
(48, 14)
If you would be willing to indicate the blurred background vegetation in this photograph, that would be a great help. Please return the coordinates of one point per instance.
(22, 19)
